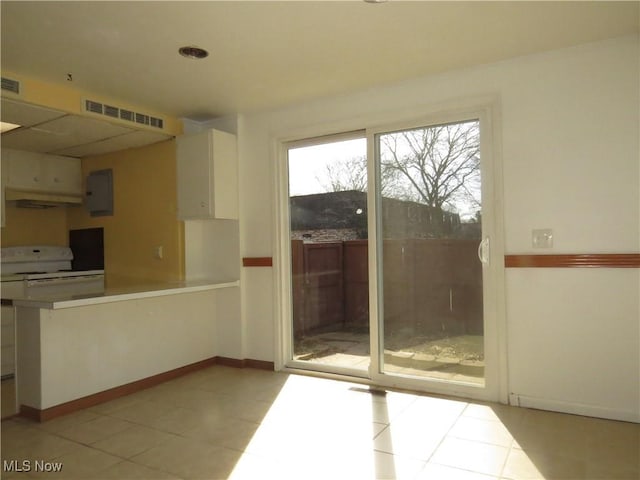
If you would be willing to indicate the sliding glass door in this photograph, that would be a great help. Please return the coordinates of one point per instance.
(429, 226)
(388, 247)
(328, 234)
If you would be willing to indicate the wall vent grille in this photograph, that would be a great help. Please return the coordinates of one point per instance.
(9, 85)
(110, 111)
(127, 115)
(92, 106)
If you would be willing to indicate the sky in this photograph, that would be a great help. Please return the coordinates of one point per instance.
(307, 168)
(307, 164)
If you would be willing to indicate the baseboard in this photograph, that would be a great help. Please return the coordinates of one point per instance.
(129, 388)
(259, 364)
(245, 363)
(230, 362)
(573, 408)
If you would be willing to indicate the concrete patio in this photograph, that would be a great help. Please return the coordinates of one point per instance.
(458, 358)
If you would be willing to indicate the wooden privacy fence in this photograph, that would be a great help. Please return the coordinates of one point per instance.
(430, 285)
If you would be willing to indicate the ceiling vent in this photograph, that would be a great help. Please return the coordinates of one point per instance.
(9, 85)
(91, 106)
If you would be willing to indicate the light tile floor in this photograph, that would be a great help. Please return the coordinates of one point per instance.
(250, 424)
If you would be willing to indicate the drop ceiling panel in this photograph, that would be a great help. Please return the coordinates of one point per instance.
(61, 133)
(25, 114)
(114, 144)
(81, 129)
(34, 140)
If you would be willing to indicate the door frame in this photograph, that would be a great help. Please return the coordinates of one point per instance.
(487, 109)
(283, 261)
(493, 272)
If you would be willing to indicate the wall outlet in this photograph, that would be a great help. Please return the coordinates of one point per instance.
(157, 252)
(542, 238)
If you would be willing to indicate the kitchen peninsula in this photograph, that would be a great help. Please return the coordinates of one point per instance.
(74, 351)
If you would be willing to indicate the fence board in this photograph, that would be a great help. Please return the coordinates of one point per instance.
(430, 285)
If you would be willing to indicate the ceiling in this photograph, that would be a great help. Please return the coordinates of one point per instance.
(267, 54)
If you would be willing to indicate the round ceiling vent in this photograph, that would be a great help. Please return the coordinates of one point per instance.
(193, 52)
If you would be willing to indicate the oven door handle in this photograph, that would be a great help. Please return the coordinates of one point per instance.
(41, 282)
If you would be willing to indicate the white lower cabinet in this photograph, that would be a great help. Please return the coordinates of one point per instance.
(8, 341)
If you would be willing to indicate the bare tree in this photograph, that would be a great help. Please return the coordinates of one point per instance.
(441, 164)
(351, 174)
(344, 175)
(437, 166)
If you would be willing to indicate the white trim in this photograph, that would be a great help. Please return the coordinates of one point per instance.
(282, 258)
(327, 138)
(494, 387)
(374, 252)
(345, 373)
(573, 408)
(494, 118)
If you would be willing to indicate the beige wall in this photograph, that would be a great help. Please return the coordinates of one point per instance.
(144, 189)
(144, 192)
(26, 226)
(144, 218)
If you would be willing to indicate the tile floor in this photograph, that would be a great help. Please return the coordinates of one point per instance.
(250, 424)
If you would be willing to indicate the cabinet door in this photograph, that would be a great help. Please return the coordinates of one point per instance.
(42, 172)
(4, 169)
(62, 174)
(25, 171)
(7, 340)
(225, 175)
(207, 175)
(194, 170)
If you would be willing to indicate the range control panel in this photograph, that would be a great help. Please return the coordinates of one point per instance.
(33, 253)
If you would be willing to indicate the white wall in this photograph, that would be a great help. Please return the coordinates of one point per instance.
(212, 250)
(570, 162)
(89, 349)
(573, 340)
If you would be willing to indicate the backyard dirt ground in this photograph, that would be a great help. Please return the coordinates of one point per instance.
(467, 348)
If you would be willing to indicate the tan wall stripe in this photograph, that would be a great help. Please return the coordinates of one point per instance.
(257, 262)
(602, 260)
(607, 260)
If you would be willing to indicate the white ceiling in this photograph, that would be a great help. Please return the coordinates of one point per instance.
(266, 54)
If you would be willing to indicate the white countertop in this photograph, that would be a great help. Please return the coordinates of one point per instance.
(118, 294)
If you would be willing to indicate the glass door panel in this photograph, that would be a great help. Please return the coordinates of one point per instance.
(329, 255)
(430, 273)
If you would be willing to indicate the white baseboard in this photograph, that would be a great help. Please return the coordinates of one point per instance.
(527, 401)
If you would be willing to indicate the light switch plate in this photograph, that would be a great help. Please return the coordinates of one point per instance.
(542, 238)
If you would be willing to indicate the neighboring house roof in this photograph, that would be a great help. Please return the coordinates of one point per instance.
(329, 210)
(348, 209)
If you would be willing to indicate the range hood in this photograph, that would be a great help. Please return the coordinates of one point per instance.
(30, 199)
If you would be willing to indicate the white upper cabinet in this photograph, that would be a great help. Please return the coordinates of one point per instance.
(207, 170)
(63, 174)
(41, 172)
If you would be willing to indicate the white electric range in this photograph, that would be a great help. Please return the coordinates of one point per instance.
(44, 270)
(35, 271)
